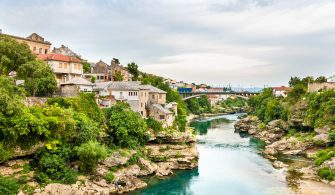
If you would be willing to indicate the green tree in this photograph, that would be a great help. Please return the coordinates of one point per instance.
(321, 79)
(127, 128)
(133, 69)
(117, 76)
(89, 154)
(39, 78)
(294, 81)
(86, 67)
(93, 79)
(13, 54)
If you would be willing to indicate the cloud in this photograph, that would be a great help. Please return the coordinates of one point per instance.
(216, 41)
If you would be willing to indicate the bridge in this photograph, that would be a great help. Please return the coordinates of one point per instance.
(243, 94)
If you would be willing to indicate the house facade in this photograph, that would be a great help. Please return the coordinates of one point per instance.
(316, 87)
(75, 86)
(64, 67)
(147, 100)
(281, 91)
(36, 43)
(117, 67)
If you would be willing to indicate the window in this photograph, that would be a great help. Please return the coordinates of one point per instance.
(85, 90)
(161, 117)
(60, 65)
(65, 65)
(153, 96)
(46, 51)
(40, 50)
(74, 66)
(141, 105)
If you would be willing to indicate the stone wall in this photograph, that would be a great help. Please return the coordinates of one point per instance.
(315, 87)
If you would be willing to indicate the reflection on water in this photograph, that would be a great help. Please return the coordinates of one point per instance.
(229, 163)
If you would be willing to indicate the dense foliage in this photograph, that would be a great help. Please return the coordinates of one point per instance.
(154, 124)
(89, 154)
(125, 127)
(13, 54)
(39, 78)
(199, 105)
(9, 186)
(133, 70)
(234, 102)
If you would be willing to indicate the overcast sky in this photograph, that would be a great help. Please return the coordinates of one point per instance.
(241, 42)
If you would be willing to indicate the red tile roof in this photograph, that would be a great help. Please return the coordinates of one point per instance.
(282, 88)
(58, 57)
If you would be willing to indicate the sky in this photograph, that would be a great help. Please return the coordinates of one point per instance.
(219, 42)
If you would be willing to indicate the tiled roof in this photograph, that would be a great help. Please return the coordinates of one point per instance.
(282, 88)
(125, 85)
(58, 57)
(161, 108)
(154, 89)
(78, 81)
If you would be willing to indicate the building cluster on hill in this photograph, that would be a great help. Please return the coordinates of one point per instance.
(68, 68)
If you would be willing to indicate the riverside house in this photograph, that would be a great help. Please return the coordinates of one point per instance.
(64, 67)
(147, 100)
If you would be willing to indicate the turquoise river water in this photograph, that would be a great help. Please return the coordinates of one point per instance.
(229, 164)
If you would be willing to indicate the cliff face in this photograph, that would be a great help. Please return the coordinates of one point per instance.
(174, 151)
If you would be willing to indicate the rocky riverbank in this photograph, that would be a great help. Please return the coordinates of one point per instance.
(166, 152)
(279, 142)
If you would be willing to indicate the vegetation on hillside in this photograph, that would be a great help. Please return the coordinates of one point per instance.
(199, 105)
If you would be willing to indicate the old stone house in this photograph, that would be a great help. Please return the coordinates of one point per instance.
(36, 43)
(64, 67)
(64, 50)
(117, 67)
(76, 86)
(316, 87)
(147, 100)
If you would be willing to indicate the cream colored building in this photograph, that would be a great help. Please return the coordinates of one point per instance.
(315, 87)
(36, 43)
(64, 67)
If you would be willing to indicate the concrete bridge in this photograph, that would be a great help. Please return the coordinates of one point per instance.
(243, 94)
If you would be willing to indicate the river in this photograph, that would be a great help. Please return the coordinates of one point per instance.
(229, 163)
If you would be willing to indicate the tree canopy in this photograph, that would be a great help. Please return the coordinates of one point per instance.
(133, 69)
(13, 54)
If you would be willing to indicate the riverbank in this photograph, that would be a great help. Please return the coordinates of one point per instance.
(123, 170)
(278, 143)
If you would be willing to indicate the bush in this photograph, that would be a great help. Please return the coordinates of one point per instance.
(126, 128)
(154, 124)
(55, 165)
(324, 155)
(332, 135)
(109, 177)
(9, 186)
(89, 154)
(326, 173)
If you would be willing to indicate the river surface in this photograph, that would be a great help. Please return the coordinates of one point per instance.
(229, 163)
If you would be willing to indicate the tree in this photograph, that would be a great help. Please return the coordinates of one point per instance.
(126, 127)
(133, 69)
(294, 81)
(39, 78)
(87, 67)
(321, 79)
(93, 79)
(13, 54)
(117, 76)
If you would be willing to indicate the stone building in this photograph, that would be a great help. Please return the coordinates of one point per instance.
(36, 43)
(64, 50)
(76, 86)
(117, 67)
(64, 67)
(101, 71)
(316, 87)
(147, 100)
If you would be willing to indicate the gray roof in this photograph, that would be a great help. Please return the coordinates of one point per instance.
(154, 89)
(161, 108)
(78, 81)
(102, 85)
(125, 85)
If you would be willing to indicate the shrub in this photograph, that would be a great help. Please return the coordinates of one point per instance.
(55, 165)
(126, 128)
(154, 124)
(89, 154)
(262, 126)
(332, 135)
(9, 186)
(109, 177)
(324, 155)
(326, 173)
